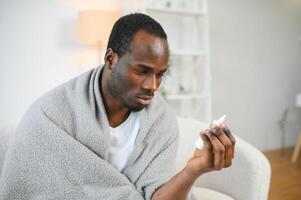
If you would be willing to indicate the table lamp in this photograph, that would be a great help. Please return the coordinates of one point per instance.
(96, 25)
(94, 31)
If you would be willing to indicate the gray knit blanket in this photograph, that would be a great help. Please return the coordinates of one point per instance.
(61, 146)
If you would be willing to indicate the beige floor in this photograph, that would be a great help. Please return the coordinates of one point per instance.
(286, 176)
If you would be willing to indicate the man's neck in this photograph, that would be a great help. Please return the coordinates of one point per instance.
(116, 112)
(116, 115)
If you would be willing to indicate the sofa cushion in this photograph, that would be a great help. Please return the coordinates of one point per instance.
(208, 194)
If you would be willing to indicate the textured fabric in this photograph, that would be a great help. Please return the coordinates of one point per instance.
(122, 140)
(62, 145)
(209, 194)
(5, 134)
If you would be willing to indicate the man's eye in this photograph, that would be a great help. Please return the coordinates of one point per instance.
(142, 71)
(161, 74)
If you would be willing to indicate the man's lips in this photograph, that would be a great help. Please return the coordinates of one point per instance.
(144, 99)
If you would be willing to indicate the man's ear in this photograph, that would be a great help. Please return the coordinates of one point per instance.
(111, 58)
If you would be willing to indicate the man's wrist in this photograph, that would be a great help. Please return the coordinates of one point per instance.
(189, 176)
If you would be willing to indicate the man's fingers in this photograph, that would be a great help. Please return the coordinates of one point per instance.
(228, 132)
(219, 143)
(229, 148)
(206, 140)
(218, 150)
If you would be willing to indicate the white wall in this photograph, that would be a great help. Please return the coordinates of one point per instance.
(256, 67)
(40, 49)
(38, 42)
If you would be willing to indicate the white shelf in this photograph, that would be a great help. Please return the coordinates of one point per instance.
(186, 96)
(175, 11)
(187, 53)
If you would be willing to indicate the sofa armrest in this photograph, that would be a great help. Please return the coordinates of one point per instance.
(248, 178)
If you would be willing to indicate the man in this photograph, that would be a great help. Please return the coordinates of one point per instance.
(106, 135)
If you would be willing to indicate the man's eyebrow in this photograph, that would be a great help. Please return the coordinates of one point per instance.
(164, 70)
(151, 69)
(145, 66)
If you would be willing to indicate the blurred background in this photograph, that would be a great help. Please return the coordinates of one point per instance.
(244, 60)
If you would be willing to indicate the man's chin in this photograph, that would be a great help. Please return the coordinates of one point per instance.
(137, 108)
(137, 104)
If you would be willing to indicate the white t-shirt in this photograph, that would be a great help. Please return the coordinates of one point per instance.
(122, 140)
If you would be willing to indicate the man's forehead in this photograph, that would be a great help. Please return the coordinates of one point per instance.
(144, 44)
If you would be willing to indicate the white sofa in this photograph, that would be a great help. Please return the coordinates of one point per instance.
(247, 179)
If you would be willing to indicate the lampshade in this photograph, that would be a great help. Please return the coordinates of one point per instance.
(96, 25)
(298, 100)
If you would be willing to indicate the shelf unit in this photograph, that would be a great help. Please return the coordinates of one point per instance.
(173, 11)
(187, 53)
(187, 86)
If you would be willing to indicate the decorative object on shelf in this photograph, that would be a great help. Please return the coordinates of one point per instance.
(282, 123)
(184, 4)
(168, 3)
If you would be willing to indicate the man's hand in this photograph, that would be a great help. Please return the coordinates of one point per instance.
(217, 153)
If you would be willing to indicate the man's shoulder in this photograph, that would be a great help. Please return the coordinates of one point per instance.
(59, 103)
(68, 90)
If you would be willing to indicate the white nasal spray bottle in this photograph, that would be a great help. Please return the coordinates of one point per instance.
(199, 142)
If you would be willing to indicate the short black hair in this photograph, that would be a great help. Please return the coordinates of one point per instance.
(125, 28)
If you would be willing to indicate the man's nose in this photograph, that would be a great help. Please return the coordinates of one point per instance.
(150, 83)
